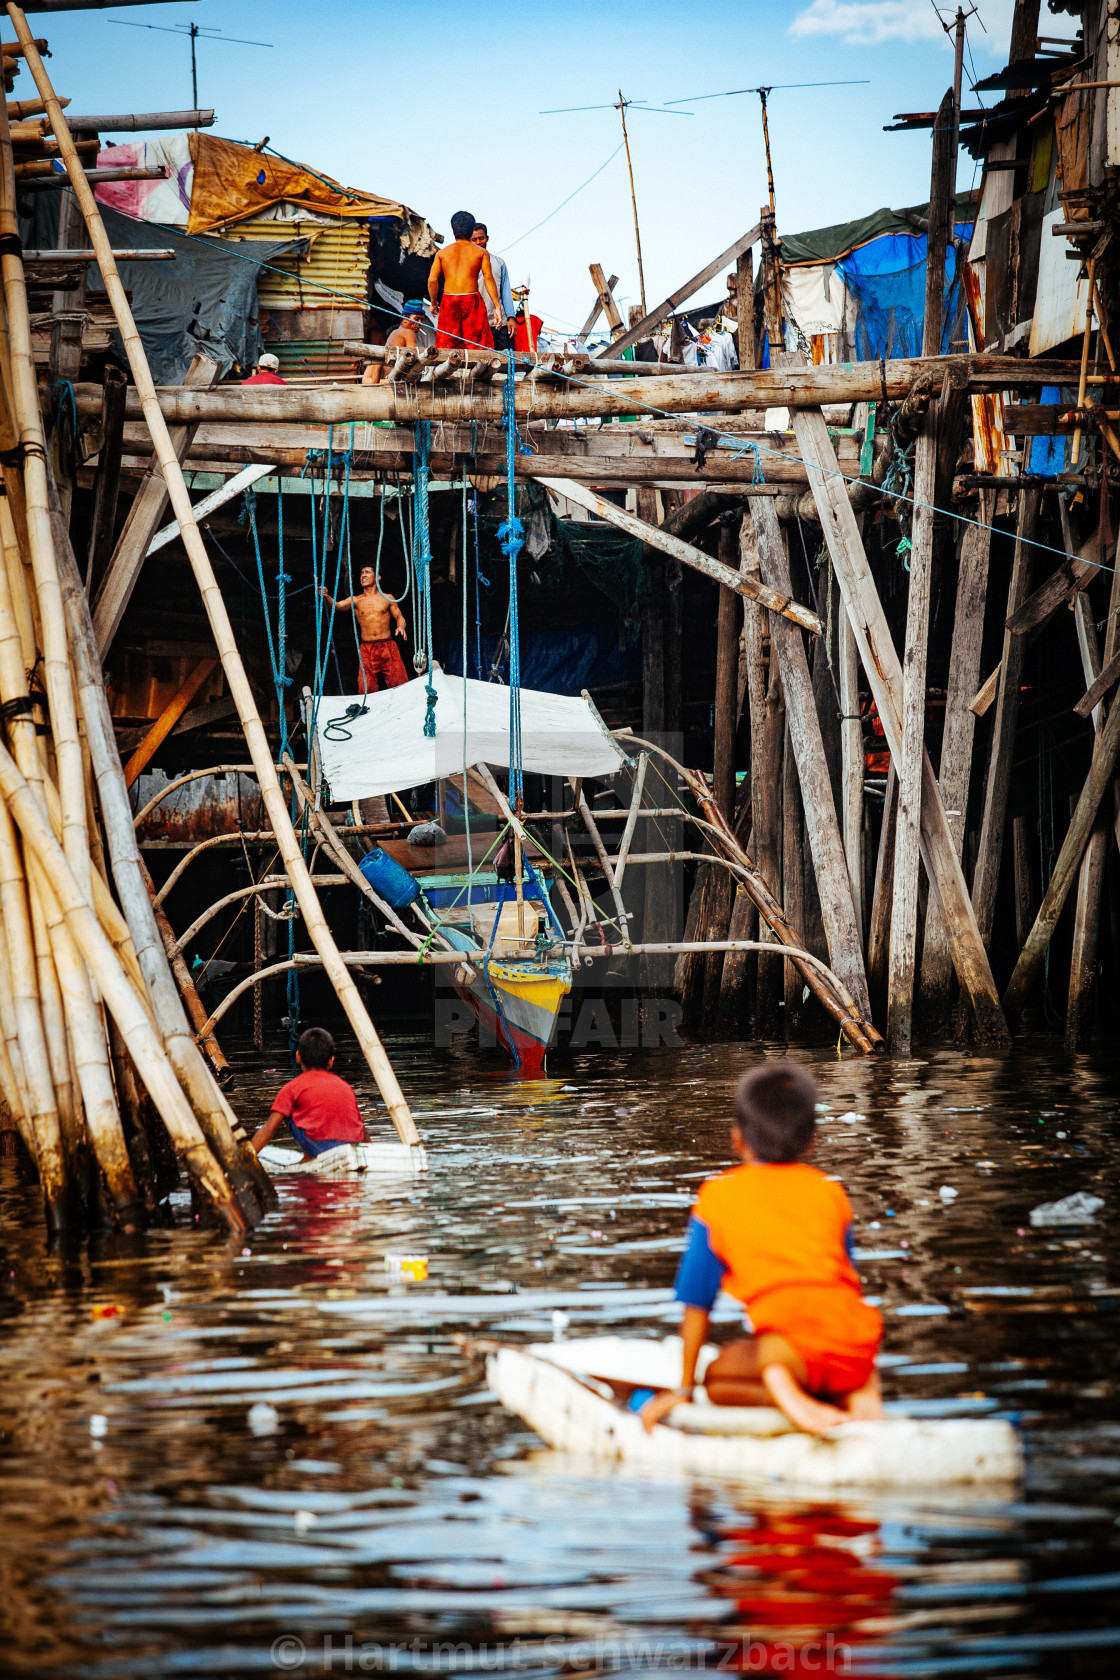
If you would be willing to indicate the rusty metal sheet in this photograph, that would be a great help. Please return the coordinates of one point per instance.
(1061, 299)
(200, 809)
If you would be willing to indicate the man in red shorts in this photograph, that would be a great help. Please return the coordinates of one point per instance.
(463, 322)
(381, 664)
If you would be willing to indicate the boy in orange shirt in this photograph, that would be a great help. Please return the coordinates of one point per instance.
(775, 1233)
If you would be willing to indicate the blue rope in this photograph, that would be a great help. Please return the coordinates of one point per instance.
(511, 533)
(422, 557)
(485, 582)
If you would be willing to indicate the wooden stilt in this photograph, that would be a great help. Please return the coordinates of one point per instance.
(879, 930)
(793, 872)
(993, 823)
(766, 792)
(820, 824)
(851, 765)
(106, 484)
(956, 752)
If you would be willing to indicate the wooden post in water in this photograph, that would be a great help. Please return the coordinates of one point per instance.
(904, 909)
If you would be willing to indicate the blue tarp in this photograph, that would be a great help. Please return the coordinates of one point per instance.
(887, 280)
(1048, 454)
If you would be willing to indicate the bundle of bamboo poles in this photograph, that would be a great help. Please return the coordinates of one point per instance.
(99, 1073)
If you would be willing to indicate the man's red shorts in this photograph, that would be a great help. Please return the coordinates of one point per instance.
(381, 667)
(463, 323)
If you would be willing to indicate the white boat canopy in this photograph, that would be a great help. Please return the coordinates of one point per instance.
(383, 748)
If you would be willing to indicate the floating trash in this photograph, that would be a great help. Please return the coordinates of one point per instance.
(99, 1426)
(851, 1118)
(1078, 1209)
(263, 1418)
(414, 1267)
(99, 1314)
(303, 1520)
(947, 1193)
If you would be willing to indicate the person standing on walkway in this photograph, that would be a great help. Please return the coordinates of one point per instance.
(503, 338)
(463, 322)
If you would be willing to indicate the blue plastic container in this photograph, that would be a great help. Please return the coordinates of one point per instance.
(389, 879)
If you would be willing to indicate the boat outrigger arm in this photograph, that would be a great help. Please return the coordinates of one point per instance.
(499, 933)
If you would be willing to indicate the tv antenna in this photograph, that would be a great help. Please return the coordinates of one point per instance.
(194, 32)
(763, 94)
(622, 105)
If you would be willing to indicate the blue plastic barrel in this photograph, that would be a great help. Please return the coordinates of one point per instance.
(389, 879)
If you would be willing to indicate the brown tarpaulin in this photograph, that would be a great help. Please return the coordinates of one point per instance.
(232, 183)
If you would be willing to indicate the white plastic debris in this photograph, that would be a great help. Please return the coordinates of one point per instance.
(1078, 1209)
(98, 1425)
(263, 1418)
(851, 1118)
(303, 1520)
(560, 1322)
(947, 1193)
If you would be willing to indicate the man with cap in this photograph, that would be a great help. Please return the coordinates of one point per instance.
(267, 371)
(413, 317)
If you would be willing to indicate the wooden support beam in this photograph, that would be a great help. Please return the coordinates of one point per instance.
(107, 481)
(656, 537)
(1090, 885)
(1105, 680)
(744, 310)
(884, 673)
(140, 121)
(837, 907)
(761, 388)
(1072, 575)
(607, 304)
(642, 329)
(994, 820)
(956, 753)
(902, 966)
(167, 719)
(1101, 772)
(725, 709)
(851, 765)
(143, 522)
(600, 302)
(879, 929)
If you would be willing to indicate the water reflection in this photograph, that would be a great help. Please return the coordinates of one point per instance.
(391, 1503)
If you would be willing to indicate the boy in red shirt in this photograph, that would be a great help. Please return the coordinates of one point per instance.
(775, 1233)
(321, 1108)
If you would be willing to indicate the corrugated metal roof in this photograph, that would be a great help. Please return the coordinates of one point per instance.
(335, 268)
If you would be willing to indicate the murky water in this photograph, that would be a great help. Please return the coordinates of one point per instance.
(392, 1516)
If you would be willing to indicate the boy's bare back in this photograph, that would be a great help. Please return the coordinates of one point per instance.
(460, 264)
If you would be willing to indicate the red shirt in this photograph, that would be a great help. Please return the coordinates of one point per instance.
(264, 378)
(322, 1105)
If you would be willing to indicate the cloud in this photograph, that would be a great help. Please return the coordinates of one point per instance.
(870, 22)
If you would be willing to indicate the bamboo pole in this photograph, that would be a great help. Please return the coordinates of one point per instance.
(23, 393)
(216, 612)
(222, 1128)
(20, 806)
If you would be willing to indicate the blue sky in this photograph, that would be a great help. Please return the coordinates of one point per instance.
(438, 105)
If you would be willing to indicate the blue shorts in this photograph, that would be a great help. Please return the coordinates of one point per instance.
(314, 1146)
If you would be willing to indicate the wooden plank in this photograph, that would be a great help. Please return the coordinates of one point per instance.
(838, 914)
(994, 820)
(143, 522)
(167, 719)
(210, 504)
(608, 287)
(656, 537)
(956, 754)
(642, 329)
(884, 673)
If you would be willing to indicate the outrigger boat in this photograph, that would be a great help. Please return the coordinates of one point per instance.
(517, 959)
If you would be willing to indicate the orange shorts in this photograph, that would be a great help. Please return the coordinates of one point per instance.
(836, 1333)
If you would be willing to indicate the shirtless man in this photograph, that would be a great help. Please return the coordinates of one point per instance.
(463, 321)
(381, 664)
(401, 337)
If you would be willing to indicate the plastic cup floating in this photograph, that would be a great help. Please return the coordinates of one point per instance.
(412, 1267)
